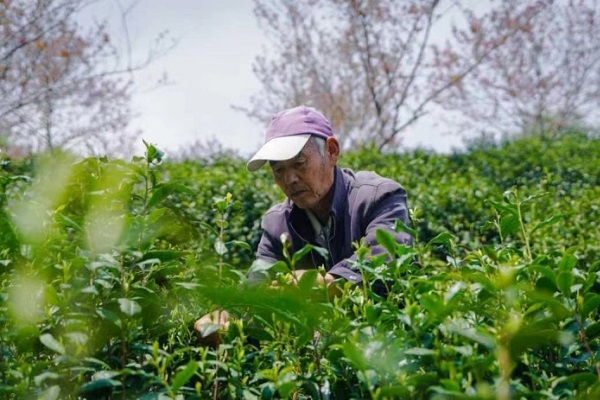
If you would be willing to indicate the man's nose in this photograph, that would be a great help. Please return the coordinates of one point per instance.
(291, 177)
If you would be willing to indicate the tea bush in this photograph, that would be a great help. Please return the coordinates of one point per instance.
(106, 264)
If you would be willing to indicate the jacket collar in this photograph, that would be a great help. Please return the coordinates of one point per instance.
(340, 193)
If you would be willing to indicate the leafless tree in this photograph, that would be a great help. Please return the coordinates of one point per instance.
(543, 78)
(368, 65)
(62, 85)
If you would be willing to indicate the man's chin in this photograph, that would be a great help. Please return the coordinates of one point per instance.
(302, 204)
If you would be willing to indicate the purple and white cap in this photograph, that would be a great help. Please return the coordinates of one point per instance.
(287, 134)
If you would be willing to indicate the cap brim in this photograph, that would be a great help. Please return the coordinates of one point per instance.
(278, 149)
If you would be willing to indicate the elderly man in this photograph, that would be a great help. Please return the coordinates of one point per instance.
(326, 206)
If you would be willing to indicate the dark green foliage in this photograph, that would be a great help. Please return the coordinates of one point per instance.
(105, 265)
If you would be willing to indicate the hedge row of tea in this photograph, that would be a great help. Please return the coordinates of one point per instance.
(105, 265)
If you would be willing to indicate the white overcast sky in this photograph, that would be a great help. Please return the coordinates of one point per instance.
(211, 70)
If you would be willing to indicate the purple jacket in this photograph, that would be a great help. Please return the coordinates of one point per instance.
(362, 203)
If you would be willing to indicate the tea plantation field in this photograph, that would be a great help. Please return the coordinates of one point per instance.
(106, 264)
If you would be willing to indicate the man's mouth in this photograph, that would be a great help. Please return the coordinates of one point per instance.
(298, 193)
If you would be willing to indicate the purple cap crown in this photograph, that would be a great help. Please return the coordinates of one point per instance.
(297, 121)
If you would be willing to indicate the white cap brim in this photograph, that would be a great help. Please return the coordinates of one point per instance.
(278, 149)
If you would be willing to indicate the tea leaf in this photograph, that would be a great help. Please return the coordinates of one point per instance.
(503, 208)
(397, 391)
(129, 307)
(564, 281)
(550, 221)
(240, 244)
(355, 356)
(419, 351)
(101, 385)
(567, 263)
(593, 331)
(443, 238)
(509, 224)
(400, 226)
(308, 280)
(52, 393)
(220, 247)
(300, 254)
(387, 240)
(109, 316)
(50, 342)
(591, 303)
(184, 375)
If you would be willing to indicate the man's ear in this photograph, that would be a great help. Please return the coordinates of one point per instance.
(333, 149)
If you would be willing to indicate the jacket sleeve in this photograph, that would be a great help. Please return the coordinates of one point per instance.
(388, 204)
(266, 254)
(268, 248)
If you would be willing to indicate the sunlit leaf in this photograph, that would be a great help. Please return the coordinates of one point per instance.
(355, 355)
(208, 329)
(129, 307)
(220, 247)
(419, 351)
(52, 393)
(184, 375)
(567, 263)
(41, 378)
(475, 335)
(50, 342)
(188, 285)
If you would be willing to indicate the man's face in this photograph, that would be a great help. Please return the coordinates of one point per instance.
(307, 178)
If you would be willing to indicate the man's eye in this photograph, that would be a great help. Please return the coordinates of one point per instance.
(299, 164)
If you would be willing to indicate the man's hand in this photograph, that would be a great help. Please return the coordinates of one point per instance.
(297, 275)
(326, 280)
(209, 327)
(321, 280)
